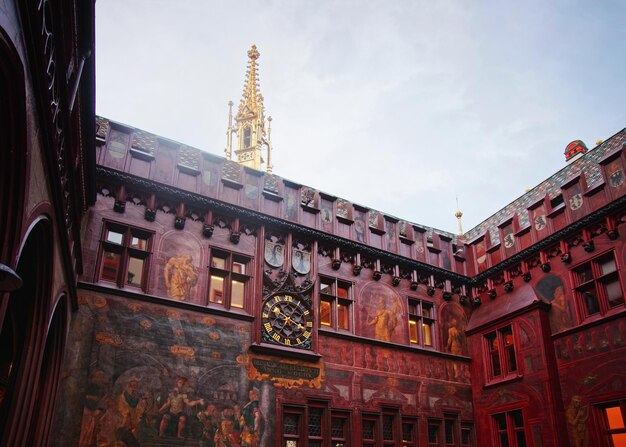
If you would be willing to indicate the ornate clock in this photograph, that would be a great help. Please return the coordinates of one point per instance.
(287, 320)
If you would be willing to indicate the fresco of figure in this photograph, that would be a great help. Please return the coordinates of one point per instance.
(210, 420)
(385, 320)
(576, 415)
(456, 338)
(180, 276)
(250, 421)
(175, 406)
(128, 413)
(551, 288)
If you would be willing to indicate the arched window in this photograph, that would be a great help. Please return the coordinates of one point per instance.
(247, 136)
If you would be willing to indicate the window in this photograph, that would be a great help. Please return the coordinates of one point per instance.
(369, 430)
(597, 286)
(229, 277)
(335, 301)
(339, 429)
(450, 429)
(409, 432)
(434, 433)
(509, 429)
(310, 423)
(613, 420)
(247, 132)
(389, 429)
(421, 322)
(467, 435)
(125, 255)
(501, 360)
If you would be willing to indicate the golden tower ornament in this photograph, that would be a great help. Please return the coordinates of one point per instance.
(249, 127)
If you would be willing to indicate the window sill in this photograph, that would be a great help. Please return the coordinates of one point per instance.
(508, 379)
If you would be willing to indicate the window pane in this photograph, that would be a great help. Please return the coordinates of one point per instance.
(216, 291)
(237, 290)
(619, 440)
(413, 307)
(614, 293)
(504, 440)
(607, 265)
(466, 435)
(368, 429)
(591, 301)
(427, 310)
(521, 439)
(139, 243)
(325, 315)
(326, 288)
(239, 267)
(407, 432)
(614, 417)
(433, 433)
(512, 361)
(343, 291)
(115, 237)
(518, 420)
(290, 424)
(218, 263)
(584, 273)
(343, 322)
(413, 331)
(315, 422)
(492, 341)
(291, 443)
(500, 420)
(135, 271)
(449, 431)
(428, 336)
(337, 428)
(110, 266)
(387, 427)
(495, 364)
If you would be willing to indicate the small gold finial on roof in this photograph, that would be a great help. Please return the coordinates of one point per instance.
(599, 142)
(253, 53)
(458, 216)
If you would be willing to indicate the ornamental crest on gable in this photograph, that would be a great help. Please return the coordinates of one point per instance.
(301, 261)
(616, 176)
(576, 201)
(274, 254)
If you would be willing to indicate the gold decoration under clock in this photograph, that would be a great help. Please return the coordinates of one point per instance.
(252, 137)
(286, 373)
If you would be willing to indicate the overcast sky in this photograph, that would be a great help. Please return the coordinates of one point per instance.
(396, 105)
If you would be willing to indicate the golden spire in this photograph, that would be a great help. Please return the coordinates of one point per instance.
(252, 101)
(250, 122)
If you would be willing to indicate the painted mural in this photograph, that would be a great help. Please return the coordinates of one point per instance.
(552, 289)
(143, 374)
(454, 324)
(382, 313)
(182, 255)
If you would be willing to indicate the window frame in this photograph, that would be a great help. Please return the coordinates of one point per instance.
(229, 274)
(606, 432)
(596, 281)
(336, 301)
(417, 317)
(510, 429)
(126, 251)
(303, 435)
(509, 366)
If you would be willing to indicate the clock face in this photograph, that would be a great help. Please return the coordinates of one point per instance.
(287, 321)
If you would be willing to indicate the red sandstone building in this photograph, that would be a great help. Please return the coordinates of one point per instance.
(201, 301)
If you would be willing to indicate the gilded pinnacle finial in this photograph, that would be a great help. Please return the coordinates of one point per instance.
(253, 53)
(458, 216)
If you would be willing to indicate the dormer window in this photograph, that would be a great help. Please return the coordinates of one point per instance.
(247, 137)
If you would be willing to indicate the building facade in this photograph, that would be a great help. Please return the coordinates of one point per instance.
(46, 185)
(201, 301)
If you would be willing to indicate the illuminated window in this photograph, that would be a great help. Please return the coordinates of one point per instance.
(229, 278)
(501, 358)
(309, 425)
(598, 286)
(335, 304)
(613, 420)
(421, 322)
(125, 255)
(509, 429)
